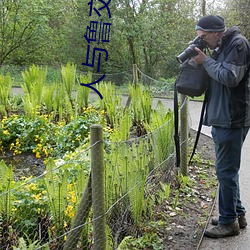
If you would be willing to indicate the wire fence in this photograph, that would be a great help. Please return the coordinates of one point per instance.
(162, 87)
(54, 74)
(158, 87)
(55, 210)
(42, 209)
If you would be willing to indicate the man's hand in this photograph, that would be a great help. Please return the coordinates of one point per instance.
(200, 58)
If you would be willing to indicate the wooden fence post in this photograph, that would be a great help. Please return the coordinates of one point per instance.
(135, 81)
(184, 135)
(135, 74)
(98, 194)
(80, 218)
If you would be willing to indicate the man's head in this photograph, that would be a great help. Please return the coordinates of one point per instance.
(211, 29)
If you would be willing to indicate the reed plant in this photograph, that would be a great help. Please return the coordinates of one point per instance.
(6, 196)
(122, 127)
(33, 85)
(62, 106)
(111, 102)
(161, 132)
(48, 97)
(136, 178)
(5, 90)
(141, 105)
(56, 184)
(68, 74)
(126, 172)
(56, 187)
(82, 92)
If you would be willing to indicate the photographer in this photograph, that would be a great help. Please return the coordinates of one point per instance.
(228, 112)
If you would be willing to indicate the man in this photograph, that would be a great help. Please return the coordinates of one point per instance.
(228, 112)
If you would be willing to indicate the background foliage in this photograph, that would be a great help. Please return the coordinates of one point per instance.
(147, 33)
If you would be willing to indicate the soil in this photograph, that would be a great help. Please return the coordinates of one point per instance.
(186, 223)
(24, 164)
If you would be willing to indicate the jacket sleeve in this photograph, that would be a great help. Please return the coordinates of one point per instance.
(234, 66)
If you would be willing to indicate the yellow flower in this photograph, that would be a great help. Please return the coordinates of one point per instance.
(45, 151)
(31, 187)
(37, 196)
(26, 178)
(14, 209)
(38, 155)
(73, 199)
(69, 211)
(6, 132)
(16, 152)
(103, 112)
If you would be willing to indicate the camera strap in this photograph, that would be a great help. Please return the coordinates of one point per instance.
(199, 127)
(176, 127)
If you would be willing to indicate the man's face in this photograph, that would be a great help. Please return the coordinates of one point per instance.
(211, 38)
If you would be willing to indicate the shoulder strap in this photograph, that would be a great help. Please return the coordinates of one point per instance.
(199, 127)
(176, 127)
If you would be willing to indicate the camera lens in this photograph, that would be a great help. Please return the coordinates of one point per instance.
(187, 53)
(190, 51)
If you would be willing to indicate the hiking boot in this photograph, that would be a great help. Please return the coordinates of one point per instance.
(241, 219)
(221, 230)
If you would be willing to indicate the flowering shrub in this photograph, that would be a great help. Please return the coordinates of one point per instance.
(43, 137)
(30, 204)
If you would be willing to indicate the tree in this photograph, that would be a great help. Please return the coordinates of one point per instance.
(237, 12)
(21, 21)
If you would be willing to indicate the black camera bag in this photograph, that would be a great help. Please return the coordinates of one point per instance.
(192, 80)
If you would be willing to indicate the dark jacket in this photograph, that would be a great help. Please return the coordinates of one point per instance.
(229, 90)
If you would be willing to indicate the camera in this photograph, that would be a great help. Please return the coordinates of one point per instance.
(190, 51)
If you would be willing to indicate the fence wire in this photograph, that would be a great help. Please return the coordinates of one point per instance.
(158, 87)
